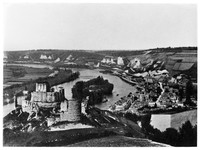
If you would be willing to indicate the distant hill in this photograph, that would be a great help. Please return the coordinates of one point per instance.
(63, 54)
(35, 55)
(126, 53)
(177, 59)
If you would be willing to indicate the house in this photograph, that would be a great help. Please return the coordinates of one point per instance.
(108, 60)
(135, 63)
(120, 61)
(57, 60)
(69, 57)
(43, 56)
(26, 57)
(49, 57)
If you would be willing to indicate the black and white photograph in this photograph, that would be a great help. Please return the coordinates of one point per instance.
(99, 74)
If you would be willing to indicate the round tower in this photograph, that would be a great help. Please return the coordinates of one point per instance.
(74, 110)
(71, 111)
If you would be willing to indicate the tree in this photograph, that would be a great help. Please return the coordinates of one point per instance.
(171, 136)
(77, 90)
(188, 135)
(145, 122)
(132, 117)
(189, 91)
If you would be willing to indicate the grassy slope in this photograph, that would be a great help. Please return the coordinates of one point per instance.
(180, 118)
(117, 141)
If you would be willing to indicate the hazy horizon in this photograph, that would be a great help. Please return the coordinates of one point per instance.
(101, 26)
(98, 50)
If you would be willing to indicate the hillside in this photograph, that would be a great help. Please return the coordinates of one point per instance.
(176, 60)
(35, 55)
(92, 54)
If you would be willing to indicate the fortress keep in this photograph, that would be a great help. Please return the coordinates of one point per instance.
(51, 99)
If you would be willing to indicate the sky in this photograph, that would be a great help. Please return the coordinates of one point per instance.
(98, 26)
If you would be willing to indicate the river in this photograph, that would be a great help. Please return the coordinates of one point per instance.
(121, 88)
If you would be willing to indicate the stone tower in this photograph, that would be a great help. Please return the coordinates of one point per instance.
(70, 110)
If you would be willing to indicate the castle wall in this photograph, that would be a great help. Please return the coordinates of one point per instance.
(164, 121)
(41, 87)
(19, 99)
(46, 97)
(26, 106)
(52, 120)
(161, 121)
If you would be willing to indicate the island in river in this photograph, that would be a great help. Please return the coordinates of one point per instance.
(95, 89)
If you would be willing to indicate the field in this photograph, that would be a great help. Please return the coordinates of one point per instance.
(24, 74)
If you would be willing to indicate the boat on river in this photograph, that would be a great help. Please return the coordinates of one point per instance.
(128, 80)
(104, 100)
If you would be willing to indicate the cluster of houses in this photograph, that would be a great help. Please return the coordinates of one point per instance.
(45, 57)
(110, 60)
